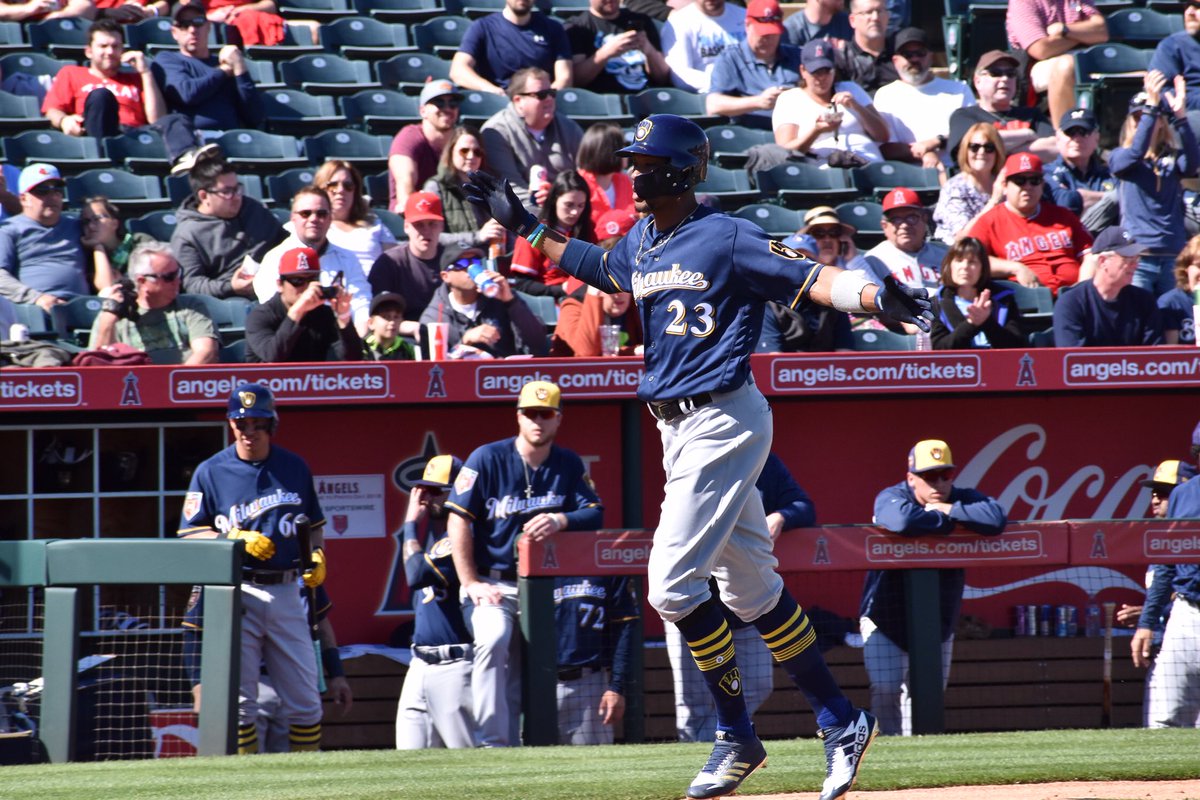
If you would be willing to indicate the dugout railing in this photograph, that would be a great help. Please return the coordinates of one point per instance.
(65, 569)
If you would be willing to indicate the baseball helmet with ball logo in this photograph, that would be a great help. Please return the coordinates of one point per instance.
(680, 141)
(252, 400)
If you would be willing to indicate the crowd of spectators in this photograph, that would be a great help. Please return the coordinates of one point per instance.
(1024, 198)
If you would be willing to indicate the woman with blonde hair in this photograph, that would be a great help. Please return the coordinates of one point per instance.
(354, 227)
(976, 188)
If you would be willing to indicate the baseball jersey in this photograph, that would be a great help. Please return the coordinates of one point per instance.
(1175, 308)
(72, 85)
(434, 583)
(498, 492)
(265, 496)
(592, 619)
(1050, 243)
(701, 290)
(1172, 579)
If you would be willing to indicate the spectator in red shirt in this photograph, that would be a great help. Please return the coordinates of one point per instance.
(37, 10)
(599, 165)
(413, 157)
(568, 211)
(1035, 243)
(102, 100)
(1048, 30)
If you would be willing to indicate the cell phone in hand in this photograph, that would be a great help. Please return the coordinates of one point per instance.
(333, 289)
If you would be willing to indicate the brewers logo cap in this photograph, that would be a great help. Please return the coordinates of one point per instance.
(1078, 118)
(540, 394)
(440, 472)
(1170, 473)
(929, 454)
(422, 206)
(901, 197)
(1022, 164)
(298, 261)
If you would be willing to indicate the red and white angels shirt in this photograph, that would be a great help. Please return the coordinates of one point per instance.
(1051, 242)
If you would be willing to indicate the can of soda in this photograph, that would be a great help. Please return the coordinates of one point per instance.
(1091, 624)
(485, 282)
(1031, 620)
(18, 332)
(538, 177)
(1021, 626)
(1046, 620)
(1060, 622)
(1072, 621)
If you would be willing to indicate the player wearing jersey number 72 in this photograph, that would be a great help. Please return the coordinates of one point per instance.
(701, 280)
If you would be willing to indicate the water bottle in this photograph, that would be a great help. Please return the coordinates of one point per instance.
(923, 340)
(485, 283)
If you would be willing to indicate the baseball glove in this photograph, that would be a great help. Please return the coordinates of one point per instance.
(905, 304)
(315, 576)
(257, 545)
(496, 196)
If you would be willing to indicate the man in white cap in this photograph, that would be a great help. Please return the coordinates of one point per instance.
(41, 258)
(926, 502)
(416, 148)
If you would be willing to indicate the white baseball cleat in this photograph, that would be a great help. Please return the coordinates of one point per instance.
(845, 749)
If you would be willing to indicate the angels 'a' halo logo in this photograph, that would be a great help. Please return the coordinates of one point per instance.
(643, 130)
(247, 399)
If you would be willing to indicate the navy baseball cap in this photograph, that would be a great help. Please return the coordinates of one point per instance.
(1078, 118)
(817, 54)
(1115, 239)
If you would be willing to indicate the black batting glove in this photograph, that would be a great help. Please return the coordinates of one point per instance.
(496, 196)
(905, 304)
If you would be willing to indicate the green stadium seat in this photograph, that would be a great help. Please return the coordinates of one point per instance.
(141, 152)
(366, 152)
(365, 38)
(73, 319)
(407, 12)
(283, 186)
(729, 143)
(873, 340)
(322, 73)
(588, 107)
(133, 195)
(62, 38)
(729, 187)
(319, 10)
(380, 111)
(775, 220)
(258, 152)
(800, 185)
(297, 41)
(159, 224)
(410, 71)
(293, 112)
(669, 100)
(441, 36)
(879, 178)
(71, 154)
(19, 113)
(478, 107)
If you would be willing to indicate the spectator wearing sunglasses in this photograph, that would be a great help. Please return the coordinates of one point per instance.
(413, 156)
(41, 258)
(482, 326)
(312, 216)
(499, 45)
(925, 503)
(169, 327)
(616, 51)
(217, 228)
(530, 132)
(1079, 179)
(1022, 129)
(976, 188)
(301, 322)
(906, 252)
(748, 77)
(1032, 242)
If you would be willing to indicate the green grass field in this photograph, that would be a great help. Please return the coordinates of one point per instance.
(634, 772)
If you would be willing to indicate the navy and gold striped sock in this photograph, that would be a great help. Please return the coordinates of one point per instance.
(711, 641)
(304, 737)
(247, 740)
(792, 641)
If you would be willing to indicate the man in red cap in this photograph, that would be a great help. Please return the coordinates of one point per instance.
(905, 254)
(304, 321)
(1034, 243)
(413, 269)
(748, 78)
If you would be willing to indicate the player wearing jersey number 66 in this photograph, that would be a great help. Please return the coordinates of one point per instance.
(701, 280)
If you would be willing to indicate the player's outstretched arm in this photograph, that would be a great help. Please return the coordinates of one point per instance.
(496, 196)
(846, 291)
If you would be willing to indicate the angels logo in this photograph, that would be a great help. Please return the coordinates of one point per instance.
(643, 130)
(612, 228)
(1026, 164)
(302, 262)
(191, 504)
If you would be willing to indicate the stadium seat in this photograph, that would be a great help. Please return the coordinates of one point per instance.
(71, 154)
(365, 38)
(62, 38)
(406, 12)
(141, 152)
(366, 152)
(669, 100)
(263, 74)
(297, 41)
(1107, 76)
(563, 9)
(867, 218)
(729, 187)
(258, 152)
(19, 112)
(729, 143)
(322, 73)
(282, 186)
(440, 35)
(1036, 304)
(800, 185)
(775, 220)
(159, 224)
(229, 315)
(873, 340)
(284, 215)
(478, 107)
(12, 38)
(1043, 338)
(153, 35)
(33, 317)
(1141, 27)
(543, 305)
(73, 319)
(971, 28)
(295, 113)
(319, 10)
(233, 353)
(178, 188)
(34, 64)
(376, 187)
(410, 71)
(474, 9)
(380, 111)
(391, 220)
(588, 107)
(132, 194)
(879, 178)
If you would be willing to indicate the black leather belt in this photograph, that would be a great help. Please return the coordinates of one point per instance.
(574, 673)
(506, 574)
(440, 654)
(269, 577)
(671, 410)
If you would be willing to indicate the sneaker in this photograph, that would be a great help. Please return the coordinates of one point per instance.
(845, 749)
(731, 762)
(183, 165)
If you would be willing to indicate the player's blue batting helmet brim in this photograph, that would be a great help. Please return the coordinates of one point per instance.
(251, 400)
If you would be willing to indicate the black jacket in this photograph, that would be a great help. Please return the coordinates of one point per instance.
(272, 336)
(951, 331)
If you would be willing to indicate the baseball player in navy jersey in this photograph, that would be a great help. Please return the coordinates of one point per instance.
(435, 702)
(593, 620)
(701, 280)
(788, 506)
(521, 486)
(256, 491)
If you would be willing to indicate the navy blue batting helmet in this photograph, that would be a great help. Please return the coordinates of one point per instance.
(677, 139)
(251, 400)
